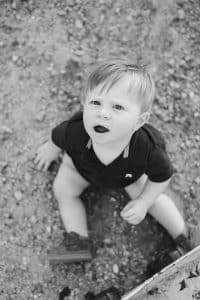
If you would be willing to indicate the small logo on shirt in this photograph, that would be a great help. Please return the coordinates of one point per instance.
(128, 175)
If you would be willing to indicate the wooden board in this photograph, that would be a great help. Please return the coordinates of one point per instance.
(179, 280)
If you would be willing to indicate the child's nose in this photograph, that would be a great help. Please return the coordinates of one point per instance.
(104, 113)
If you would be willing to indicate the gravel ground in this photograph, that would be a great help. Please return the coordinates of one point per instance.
(46, 50)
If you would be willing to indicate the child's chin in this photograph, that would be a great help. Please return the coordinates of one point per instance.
(100, 139)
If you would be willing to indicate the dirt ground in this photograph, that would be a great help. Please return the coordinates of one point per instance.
(46, 50)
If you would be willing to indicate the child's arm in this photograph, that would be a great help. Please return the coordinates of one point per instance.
(46, 154)
(152, 190)
(135, 211)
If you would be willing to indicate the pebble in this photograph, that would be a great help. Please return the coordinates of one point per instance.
(27, 176)
(2, 44)
(79, 24)
(116, 269)
(6, 129)
(18, 195)
(61, 13)
(48, 229)
(33, 219)
(107, 241)
(40, 116)
(24, 260)
(181, 14)
(15, 58)
(197, 180)
(172, 61)
(191, 94)
(112, 199)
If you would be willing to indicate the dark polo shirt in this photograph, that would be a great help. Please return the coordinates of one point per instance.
(146, 155)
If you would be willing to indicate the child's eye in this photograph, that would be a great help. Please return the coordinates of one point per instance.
(95, 102)
(118, 107)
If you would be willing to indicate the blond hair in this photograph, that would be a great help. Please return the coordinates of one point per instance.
(140, 80)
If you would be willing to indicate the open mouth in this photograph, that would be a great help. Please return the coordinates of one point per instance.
(100, 129)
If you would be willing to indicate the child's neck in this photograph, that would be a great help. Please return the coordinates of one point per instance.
(110, 151)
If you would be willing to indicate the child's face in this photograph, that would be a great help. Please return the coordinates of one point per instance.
(111, 116)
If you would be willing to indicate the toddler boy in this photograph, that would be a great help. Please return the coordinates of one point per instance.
(111, 145)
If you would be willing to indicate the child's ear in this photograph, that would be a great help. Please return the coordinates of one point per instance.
(144, 118)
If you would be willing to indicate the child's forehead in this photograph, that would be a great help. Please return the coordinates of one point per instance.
(122, 87)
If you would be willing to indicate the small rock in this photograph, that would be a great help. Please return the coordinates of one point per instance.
(18, 195)
(107, 241)
(48, 229)
(40, 116)
(61, 13)
(115, 214)
(181, 14)
(27, 176)
(172, 61)
(24, 260)
(53, 90)
(112, 199)
(79, 24)
(115, 269)
(2, 44)
(15, 58)
(197, 180)
(196, 114)
(188, 143)
(63, 72)
(33, 219)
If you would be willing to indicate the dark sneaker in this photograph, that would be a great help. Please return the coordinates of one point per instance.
(74, 248)
(194, 235)
(185, 244)
(182, 245)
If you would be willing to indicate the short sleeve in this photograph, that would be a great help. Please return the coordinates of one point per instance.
(59, 135)
(159, 167)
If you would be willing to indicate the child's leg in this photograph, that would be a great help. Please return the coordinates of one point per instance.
(167, 214)
(68, 186)
(163, 210)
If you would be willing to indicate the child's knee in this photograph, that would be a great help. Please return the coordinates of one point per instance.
(68, 183)
(59, 188)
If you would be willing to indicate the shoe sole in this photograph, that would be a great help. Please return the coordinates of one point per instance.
(70, 257)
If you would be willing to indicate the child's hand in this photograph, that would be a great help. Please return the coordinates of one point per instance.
(45, 155)
(135, 211)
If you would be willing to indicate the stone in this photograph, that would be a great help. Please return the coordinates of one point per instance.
(115, 269)
(18, 195)
(79, 24)
(15, 58)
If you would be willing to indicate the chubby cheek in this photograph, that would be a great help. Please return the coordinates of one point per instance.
(87, 122)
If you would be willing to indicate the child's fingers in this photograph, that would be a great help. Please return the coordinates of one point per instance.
(39, 158)
(40, 165)
(130, 216)
(134, 219)
(36, 159)
(127, 212)
(46, 166)
(127, 208)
